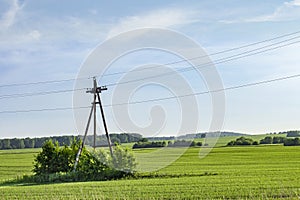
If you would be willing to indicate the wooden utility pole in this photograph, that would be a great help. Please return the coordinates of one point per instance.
(84, 138)
(96, 93)
(95, 116)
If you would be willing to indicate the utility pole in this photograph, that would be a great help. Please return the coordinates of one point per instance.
(98, 91)
(96, 94)
(95, 116)
(84, 138)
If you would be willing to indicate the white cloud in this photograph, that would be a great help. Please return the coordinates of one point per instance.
(288, 11)
(293, 3)
(164, 18)
(8, 18)
(35, 35)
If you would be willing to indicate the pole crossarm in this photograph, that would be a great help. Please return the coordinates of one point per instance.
(98, 89)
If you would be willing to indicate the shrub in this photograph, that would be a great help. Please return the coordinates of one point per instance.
(242, 141)
(293, 134)
(55, 164)
(53, 159)
(278, 140)
(122, 159)
(266, 140)
(184, 143)
(292, 142)
(149, 144)
(176, 143)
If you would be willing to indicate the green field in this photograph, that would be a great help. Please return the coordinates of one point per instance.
(256, 172)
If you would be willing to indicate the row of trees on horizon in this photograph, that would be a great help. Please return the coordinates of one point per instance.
(22, 143)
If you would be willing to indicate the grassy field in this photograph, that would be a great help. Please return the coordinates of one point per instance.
(15, 163)
(258, 172)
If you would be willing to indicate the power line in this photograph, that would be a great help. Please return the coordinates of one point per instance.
(170, 63)
(21, 95)
(43, 110)
(222, 60)
(211, 91)
(219, 61)
(160, 99)
(216, 53)
(42, 82)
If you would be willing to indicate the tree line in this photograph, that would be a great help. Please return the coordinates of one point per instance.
(294, 133)
(267, 140)
(21, 143)
(144, 143)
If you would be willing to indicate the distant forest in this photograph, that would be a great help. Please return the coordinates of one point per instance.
(22, 143)
(17, 143)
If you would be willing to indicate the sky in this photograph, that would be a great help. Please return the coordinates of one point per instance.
(48, 40)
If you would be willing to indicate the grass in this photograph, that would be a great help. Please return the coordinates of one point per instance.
(258, 172)
(14, 163)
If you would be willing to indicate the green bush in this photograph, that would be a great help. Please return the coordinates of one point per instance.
(149, 144)
(158, 144)
(266, 140)
(242, 141)
(184, 143)
(293, 134)
(122, 160)
(56, 164)
(278, 140)
(53, 159)
(292, 142)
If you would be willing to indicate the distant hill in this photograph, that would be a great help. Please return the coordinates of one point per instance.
(210, 134)
(225, 134)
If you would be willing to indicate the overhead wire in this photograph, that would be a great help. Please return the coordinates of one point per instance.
(21, 95)
(43, 82)
(211, 91)
(170, 63)
(159, 99)
(43, 109)
(212, 54)
(219, 61)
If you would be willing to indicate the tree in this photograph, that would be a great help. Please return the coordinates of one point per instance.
(22, 144)
(122, 162)
(266, 140)
(6, 144)
(242, 141)
(293, 134)
(38, 142)
(143, 140)
(53, 158)
(278, 140)
(115, 140)
(29, 143)
(292, 142)
(44, 160)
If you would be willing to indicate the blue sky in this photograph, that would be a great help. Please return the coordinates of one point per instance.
(48, 40)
